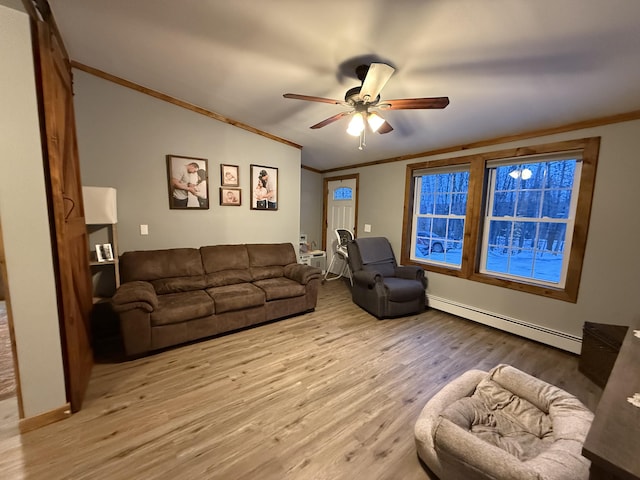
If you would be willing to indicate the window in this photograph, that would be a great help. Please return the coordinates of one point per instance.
(343, 193)
(514, 218)
(530, 209)
(441, 200)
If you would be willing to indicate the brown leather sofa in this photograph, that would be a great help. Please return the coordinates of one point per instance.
(169, 297)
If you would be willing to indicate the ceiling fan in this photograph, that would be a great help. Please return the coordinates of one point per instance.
(364, 101)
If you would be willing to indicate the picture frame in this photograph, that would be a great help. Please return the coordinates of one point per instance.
(107, 252)
(188, 182)
(104, 252)
(264, 187)
(100, 254)
(230, 196)
(229, 175)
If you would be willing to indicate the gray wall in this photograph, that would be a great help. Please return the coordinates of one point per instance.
(610, 286)
(123, 137)
(311, 207)
(25, 223)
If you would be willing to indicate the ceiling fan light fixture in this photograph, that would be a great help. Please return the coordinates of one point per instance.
(356, 125)
(375, 121)
(366, 96)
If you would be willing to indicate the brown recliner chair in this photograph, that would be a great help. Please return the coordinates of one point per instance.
(381, 286)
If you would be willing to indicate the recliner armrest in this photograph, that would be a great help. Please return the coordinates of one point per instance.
(367, 278)
(136, 294)
(410, 272)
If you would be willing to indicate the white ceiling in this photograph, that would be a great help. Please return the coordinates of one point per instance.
(508, 66)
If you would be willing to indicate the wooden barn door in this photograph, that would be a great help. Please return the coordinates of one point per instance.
(66, 213)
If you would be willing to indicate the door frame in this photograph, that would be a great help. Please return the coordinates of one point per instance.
(325, 194)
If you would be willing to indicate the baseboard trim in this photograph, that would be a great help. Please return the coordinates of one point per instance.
(545, 335)
(27, 424)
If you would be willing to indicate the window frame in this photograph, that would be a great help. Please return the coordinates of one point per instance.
(586, 148)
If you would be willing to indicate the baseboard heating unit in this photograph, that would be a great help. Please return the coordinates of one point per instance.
(548, 336)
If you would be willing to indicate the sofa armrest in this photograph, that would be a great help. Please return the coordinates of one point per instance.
(367, 278)
(410, 272)
(301, 273)
(136, 294)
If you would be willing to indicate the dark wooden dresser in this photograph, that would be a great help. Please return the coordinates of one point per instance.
(600, 346)
(613, 442)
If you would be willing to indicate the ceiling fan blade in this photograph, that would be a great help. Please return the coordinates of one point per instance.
(414, 103)
(332, 119)
(377, 76)
(313, 99)
(385, 128)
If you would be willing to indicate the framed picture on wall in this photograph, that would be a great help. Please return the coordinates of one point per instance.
(188, 186)
(230, 196)
(264, 185)
(229, 175)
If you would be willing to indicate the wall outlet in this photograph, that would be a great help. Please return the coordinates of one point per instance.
(367, 228)
(144, 229)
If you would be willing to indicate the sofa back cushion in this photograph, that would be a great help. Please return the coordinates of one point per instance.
(225, 265)
(267, 260)
(169, 271)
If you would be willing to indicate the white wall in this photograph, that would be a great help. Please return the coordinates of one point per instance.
(123, 138)
(610, 286)
(25, 223)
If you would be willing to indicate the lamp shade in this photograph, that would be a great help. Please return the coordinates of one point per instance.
(356, 125)
(100, 205)
(375, 121)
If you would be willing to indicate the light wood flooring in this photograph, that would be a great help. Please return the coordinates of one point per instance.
(333, 394)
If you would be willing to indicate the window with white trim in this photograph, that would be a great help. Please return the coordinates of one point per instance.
(529, 219)
(439, 216)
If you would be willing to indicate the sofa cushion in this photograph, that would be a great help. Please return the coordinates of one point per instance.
(152, 265)
(225, 265)
(180, 307)
(373, 253)
(277, 288)
(403, 290)
(260, 273)
(178, 284)
(236, 297)
(216, 258)
(227, 277)
(267, 255)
